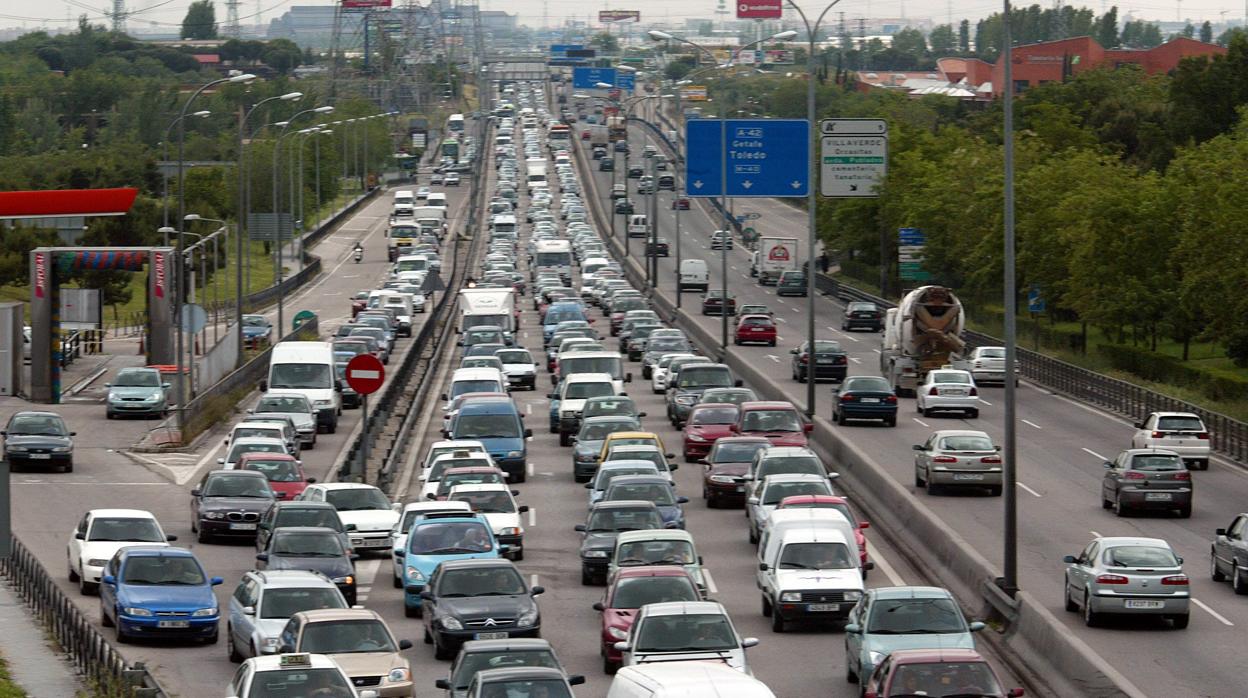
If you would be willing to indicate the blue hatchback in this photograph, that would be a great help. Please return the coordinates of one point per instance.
(560, 312)
(498, 426)
(150, 592)
(436, 538)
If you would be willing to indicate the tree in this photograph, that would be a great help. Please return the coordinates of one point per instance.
(1189, 31)
(1107, 28)
(942, 40)
(200, 21)
(964, 36)
(605, 42)
(282, 55)
(678, 68)
(910, 41)
(1206, 32)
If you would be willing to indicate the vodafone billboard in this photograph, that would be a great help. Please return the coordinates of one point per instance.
(759, 9)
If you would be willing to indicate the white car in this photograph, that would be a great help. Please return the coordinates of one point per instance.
(1181, 432)
(768, 493)
(658, 375)
(412, 512)
(809, 574)
(495, 502)
(685, 631)
(519, 367)
(948, 389)
(293, 674)
(100, 534)
(361, 506)
(451, 179)
(439, 448)
(431, 478)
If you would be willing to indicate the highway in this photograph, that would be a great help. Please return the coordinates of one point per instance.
(1061, 446)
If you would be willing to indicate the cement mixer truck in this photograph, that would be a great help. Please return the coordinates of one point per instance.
(922, 333)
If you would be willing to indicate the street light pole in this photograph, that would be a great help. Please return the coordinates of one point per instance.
(164, 173)
(1009, 583)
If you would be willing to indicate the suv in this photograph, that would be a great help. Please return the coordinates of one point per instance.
(1181, 432)
(862, 314)
(265, 600)
(478, 600)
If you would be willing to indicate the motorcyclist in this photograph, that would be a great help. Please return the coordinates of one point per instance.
(359, 252)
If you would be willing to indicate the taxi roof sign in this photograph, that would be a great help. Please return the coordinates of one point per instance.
(297, 659)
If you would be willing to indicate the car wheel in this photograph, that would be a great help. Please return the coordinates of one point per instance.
(109, 415)
(1180, 622)
(1214, 573)
(777, 622)
(87, 588)
(918, 479)
(413, 612)
(836, 419)
(104, 619)
(890, 421)
(918, 407)
(68, 467)
(1090, 618)
(767, 610)
(1119, 509)
(564, 438)
(121, 637)
(973, 414)
(1105, 503)
(609, 667)
(753, 534)
(232, 651)
(994, 491)
(203, 536)
(73, 574)
(1185, 512)
(801, 376)
(586, 578)
(1070, 603)
(428, 637)
(1239, 582)
(851, 676)
(518, 556)
(772, 343)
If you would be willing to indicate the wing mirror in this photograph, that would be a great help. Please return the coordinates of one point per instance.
(79, 535)
(580, 528)
(749, 642)
(1070, 560)
(170, 539)
(598, 606)
(977, 626)
(262, 557)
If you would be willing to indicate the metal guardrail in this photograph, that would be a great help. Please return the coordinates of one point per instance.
(84, 645)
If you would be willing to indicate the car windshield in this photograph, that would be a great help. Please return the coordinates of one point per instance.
(655, 552)
(125, 530)
(487, 426)
(761, 322)
(346, 637)
(306, 545)
(992, 353)
(668, 344)
(736, 453)
(966, 443)
(779, 490)
(284, 603)
(606, 475)
(322, 683)
(618, 520)
(481, 362)
(733, 396)
(1180, 424)
(1140, 556)
(483, 337)
(357, 499)
(481, 581)
(137, 379)
(301, 377)
(654, 456)
(626, 304)
(657, 492)
(872, 383)
(525, 688)
(714, 415)
(610, 365)
(771, 420)
(158, 570)
(854, 307)
(816, 556)
(515, 356)
(581, 391)
(1157, 462)
(478, 386)
(938, 680)
(450, 538)
(235, 486)
(301, 516)
(686, 633)
(555, 316)
(37, 425)
(482, 478)
(246, 431)
(255, 321)
(284, 403)
(781, 465)
(915, 617)
(440, 466)
(276, 470)
(635, 592)
(489, 502)
(707, 377)
(472, 662)
(600, 431)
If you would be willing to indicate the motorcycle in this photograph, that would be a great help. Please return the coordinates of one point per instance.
(359, 254)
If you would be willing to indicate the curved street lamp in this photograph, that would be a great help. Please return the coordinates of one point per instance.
(277, 219)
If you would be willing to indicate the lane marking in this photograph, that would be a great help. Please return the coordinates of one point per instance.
(1096, 534)
(1032, 424)
(710, 581)
(989, 404)
(528, 408)
(780, 319)
(1094, 454)
(1029, 490)
(877, 351)
(887, 568)
(532, 517)
(923, 423)
(530, 467)
(532, 580)
(855, 360)
(1218, 616)
(773, 357)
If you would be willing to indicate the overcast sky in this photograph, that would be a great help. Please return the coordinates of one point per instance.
(168, 13)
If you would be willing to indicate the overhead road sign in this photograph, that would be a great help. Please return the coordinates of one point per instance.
(693, 93)
(591, 78)
(759, 9)
(765, 157)
(853, 157)
(365, 374)
(910, 254)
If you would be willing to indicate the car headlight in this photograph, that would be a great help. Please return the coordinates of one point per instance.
(791, 596)
(414, 574)
(399, 674)
(875, 657)
(114, 396)
(214, 515)
(595, 553)
(348, 580)
(529, 617)
(63, 449)
(15, 449)
(205, 612)
(513, 454)
(686, 399)
(568, 414)
(268, 642)
(617, 633)
(853, 595)
(585, 457)
(96, 562)
(723, 479)
(136, 611)
(324, 403)
(695, 437)
(511, 531)
(451, 623)
(151, 398)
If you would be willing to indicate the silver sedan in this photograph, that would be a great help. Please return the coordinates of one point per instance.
(957, 458)
(1127, 576)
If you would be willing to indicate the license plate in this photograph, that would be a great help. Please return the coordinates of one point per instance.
(490, 636)
(369, 543)
(823, 607)
(1157, 496)
(1140, 603)
(173, 624)
(823, 361)
(242, 527)
(40, 456)
(870, 400)
(968, 476)
(740, 488)
(952, 391)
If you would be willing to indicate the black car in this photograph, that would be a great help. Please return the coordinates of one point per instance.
(621, 146)
(477, 599)
(478, 655)
(624, 206)
(635, 172)
(312, 548)
(599, 152)
(606, 164)
(667, 181)
(862, 314)
(301, 513)
(865, 397)
(230, 503)
(714, 303)
(687, 381)
(830, 361)
(38, 439)
(607, 520)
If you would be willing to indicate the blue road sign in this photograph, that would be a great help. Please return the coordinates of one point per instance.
(561, 50)
(625, 81)
(588, 78)
(911, 236)
(765, 157)
(1035, 301)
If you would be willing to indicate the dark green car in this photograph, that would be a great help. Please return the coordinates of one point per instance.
(791, 283)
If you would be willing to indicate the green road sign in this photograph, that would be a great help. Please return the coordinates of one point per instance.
(301, 318)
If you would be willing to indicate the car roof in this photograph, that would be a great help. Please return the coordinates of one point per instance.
(793, 477)
(1119, 541)
(768, 405)
(285, 579)
(655, 534)
(623, 504)
(681, 608)
(610, 418)
(461, 374)
(634, 448)
(658, 571)
(513, 644)
(302, 504)
(513, 673)
(814, 498)
(156, 551)
(961, 432)
(641, 478)
(781, 451)
(127, 513)
(236, 473)
(488, 407)
(588, 377)
(482, 487)
(632, 435)
(321, 615)
(436, 506)
(911, 592)
(273, 662)
(477, 562)
(1177, 414)
(1153, 451)
(814, 535)
(331, 486)
(265, 455)
(285, 530)
(930, 656)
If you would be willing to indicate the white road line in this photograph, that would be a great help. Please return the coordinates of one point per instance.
(989, 403)
(876, 351)
(797, 310)
(530, 466)
(1029, 490)
(366, 572)
(921, 422)
(1094, 453)
(532, 580)
(1218, 616)
(528, 408)
(532, 517)
(833, 328)
(710, 581)
(851, 337)
(65, 483)
(855, 360)
(1031, 424)
(1095, 534)
(773, 357)
(887, 568)
(780, 319)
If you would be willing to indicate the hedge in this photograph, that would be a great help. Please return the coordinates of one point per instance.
(1161, 368)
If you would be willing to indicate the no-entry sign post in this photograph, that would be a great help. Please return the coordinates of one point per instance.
(365, 374)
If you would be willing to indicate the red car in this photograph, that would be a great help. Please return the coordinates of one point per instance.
(681, 203)
(358, 302)
(706, 424)
(780, 422)
(824, 501)
(728, 461)
(284, 472)
(756, 328)
(468, 475)
(630, 589)
(935, 673)
(584, 135)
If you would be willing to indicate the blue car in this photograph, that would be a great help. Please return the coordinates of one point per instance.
(649, 488)
(560, 312)
(257, 331)
(864, 397)
(436, 538)
(150, 592)
(498, 426)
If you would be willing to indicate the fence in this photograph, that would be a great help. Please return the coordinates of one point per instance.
(102, 666)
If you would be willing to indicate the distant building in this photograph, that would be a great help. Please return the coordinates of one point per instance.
(498, 21)
(312, 26)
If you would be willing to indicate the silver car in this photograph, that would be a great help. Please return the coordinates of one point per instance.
(292, 405)
(957, 458)
(265, 600)
(1127, 576)
(768, 492)
(1181, 432)
(137, 391)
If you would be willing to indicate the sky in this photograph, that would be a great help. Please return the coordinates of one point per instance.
(158, 14)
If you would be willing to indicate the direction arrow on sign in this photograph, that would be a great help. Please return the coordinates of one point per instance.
(852, 166)
(365, 374)
(764, 157)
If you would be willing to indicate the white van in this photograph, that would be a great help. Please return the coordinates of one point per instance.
(637, 226)
(694, 275)
(820, 564)
(784, 520)
(437, 199)
(686, 679)
(503, 223)
(404, 197)
(307, 368)
(474, 380)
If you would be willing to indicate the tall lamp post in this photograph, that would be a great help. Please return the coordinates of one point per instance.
(215, 294)
(1009, 582)
(203, 114)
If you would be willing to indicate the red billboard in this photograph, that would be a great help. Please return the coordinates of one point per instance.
(609, 16)
(364, 4)
(759, 9)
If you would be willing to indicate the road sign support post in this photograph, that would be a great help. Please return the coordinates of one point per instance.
(363, 469)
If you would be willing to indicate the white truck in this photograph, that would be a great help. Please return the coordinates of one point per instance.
(922, 333)
(431, 218)
(488, 306)
(536, 177)
(775, 255)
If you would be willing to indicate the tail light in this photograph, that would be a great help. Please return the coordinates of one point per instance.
(974, 392)
(840, 360)
(1204, 436)
(1178, 580)
(891, 399)
(933, 391)
(944, 459)
(1183, 476)
(803, 358)
(1157, 435)
(991, 459)
(848, 398)
(1132, 475)
(1111, 579)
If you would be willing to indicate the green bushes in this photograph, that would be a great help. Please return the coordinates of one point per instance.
(1160, 368)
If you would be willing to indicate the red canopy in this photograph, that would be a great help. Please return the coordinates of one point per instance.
(67, 202)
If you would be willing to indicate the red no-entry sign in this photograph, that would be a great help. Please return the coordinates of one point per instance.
(365, 374)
